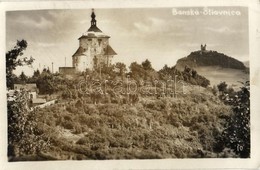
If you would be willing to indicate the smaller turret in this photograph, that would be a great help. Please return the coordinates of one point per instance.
(93, 23)
(203, 48)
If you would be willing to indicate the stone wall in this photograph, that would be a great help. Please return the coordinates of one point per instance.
(67, 70)
(93, 55)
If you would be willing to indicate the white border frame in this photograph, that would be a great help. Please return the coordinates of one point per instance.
(212, 163)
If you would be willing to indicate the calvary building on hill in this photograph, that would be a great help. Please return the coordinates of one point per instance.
(94, 51)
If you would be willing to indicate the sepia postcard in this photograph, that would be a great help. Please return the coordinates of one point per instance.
(130, 85)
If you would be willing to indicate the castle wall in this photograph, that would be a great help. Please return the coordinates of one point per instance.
(89, 62)
(79, 62)
(94, 50)
(67, 70)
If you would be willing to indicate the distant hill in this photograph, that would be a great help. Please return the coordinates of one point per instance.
(209, 58)
(216, 67)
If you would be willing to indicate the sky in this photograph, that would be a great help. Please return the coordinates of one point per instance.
(158, 34)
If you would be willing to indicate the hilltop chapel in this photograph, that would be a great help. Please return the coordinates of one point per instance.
(94, 51)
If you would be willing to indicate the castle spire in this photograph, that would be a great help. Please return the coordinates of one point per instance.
(93, 22)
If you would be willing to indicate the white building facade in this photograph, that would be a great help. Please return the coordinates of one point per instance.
(94, 50)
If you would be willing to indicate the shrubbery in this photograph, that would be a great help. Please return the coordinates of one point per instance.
(24, 136)
(237, 131)
(130, 126)
(189, 75)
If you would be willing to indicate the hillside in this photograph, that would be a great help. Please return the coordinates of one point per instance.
(216, 67)
(186, 126)
(209, 58)
(186, 119)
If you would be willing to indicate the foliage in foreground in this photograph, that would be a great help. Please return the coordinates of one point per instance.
(24, 136)
(237, 131)
(12, 61)
(181, 127)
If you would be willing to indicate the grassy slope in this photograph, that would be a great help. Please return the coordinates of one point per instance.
(180, 127)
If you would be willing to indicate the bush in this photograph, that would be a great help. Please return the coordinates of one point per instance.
(90, 109)
(158, 105)
(72, 109)
(237, 132)
(77, 128)
(174, 120)
(148, 154)
(68, 125)
(82, 141)
(110, 110)
(24, 137)
(222, 87)
(79, 104)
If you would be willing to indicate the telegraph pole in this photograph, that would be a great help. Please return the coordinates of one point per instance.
(52, 67)
(65, 61)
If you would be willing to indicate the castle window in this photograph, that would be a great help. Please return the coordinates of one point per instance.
(99, 41)
(95, 61)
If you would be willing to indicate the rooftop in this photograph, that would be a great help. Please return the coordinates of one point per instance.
(38, 101)
(93, 23)
(110, 51)
(79, 51)
(94, 28)
(92, 34)
(93, 31)
(29, 87)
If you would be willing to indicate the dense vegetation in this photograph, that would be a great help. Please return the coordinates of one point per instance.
(49, 83)
(236, 134)
(188, 75)
(13, 60)
(155, 121)
(186, 126)
(24, 136)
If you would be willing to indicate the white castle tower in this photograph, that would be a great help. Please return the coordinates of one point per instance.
(94, 50)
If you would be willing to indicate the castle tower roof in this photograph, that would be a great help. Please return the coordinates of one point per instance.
(93, 23)
(93, 31)
(110, 51)
(79, 51)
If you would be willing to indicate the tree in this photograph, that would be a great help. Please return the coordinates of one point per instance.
(236, 135)
(36, 73)
(136, 70)
(46, 83)
(214, 90)
(147, 65)
(23, 135)
(46, 71)
(165, 71)
(23, 78)
(194, 73)
(121, 67)
(222, 87)
(12, 61)
(108, 71)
